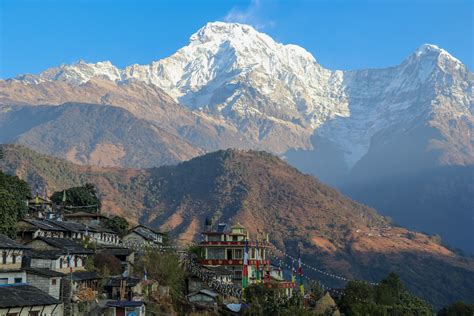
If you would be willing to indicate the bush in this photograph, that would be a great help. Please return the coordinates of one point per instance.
(457, 309)
(107, 264)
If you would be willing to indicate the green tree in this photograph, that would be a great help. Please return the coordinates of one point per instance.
(13, 207)
(356, 293)
(8, 213)
(79, 196)
(117, 224)
(457, 309)
(164, 268)
(389, 297)
(388, 292)
(265, 301)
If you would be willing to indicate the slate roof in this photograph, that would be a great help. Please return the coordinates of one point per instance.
(84, 214)
(8, 243)
(115, 281)
(65, 245)
(85, 275)
(146, 232)
(17, 295)
(44, 225)
(45, 254)
(219, 270)
(44, 272)
(205, 292)
(116, 251)
(69, 226)
(124, 303)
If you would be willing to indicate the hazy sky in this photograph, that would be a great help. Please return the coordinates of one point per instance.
(35, 35)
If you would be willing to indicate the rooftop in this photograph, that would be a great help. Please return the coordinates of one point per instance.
(219, 270)
(44, 272)
(66, 245)
(124, 304)
(45, 254)
(17, 295)
(115, 281)
(84, 214)
(205, 292)
(8, 243)
(146, 232)
(44, 225)
(84, 276)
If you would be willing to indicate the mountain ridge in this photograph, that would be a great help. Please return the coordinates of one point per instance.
(333, 232)
(242, 80)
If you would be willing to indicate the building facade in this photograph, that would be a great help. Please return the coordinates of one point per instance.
(226, 247)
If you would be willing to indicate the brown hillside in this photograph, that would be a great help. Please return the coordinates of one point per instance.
(265, 194)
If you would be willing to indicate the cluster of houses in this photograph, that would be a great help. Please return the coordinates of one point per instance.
(43, 271)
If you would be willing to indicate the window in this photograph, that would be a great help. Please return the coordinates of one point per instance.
(229, 254)
(13, 259)
(33, 313)
(53, 281)
(213, 238)
(238, 275)
(238, 253)
(3, 280)
(12, 314)
(213, 253)
(4, 257)
(17, 280)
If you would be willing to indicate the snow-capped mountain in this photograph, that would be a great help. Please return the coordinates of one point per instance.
(277, 97)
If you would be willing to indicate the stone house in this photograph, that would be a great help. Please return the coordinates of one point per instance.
(29, 229)
(46, 280)
(143, 235)
(58, 254)
(11, 255)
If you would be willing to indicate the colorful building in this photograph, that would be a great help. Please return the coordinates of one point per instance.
(226, 247)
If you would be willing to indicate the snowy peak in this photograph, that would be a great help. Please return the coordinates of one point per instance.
(220, 31)
(436, 55)
(77, 73)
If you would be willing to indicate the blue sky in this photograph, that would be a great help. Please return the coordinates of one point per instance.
(37, 34)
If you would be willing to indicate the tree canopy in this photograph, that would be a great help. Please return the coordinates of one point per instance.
(457, 309)
(85, 195)
(13, 195)
(117, 224)
(389, 297)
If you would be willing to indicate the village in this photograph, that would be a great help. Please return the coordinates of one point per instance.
(51, 268)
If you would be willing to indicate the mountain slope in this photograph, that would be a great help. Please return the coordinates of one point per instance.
(439, 200)
(268, 196)
(93, 134)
